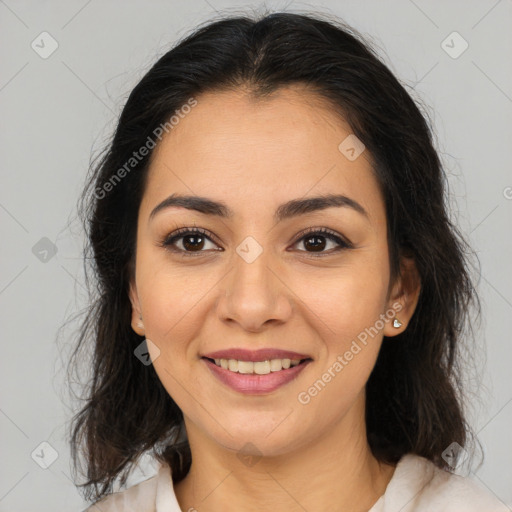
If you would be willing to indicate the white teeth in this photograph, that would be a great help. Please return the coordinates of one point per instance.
(262, 367)
(244, 366)
(256, 367)
(275, 365)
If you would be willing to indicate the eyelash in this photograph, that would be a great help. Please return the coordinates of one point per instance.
(168, 242)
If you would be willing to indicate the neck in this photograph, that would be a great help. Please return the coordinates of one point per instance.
(335, 472)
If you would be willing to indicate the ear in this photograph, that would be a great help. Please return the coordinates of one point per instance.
(404, 296)
(137, 324)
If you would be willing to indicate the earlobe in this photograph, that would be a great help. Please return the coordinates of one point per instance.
(404, 297)
(136, 323)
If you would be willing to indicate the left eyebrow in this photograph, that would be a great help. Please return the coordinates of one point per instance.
(292, 208)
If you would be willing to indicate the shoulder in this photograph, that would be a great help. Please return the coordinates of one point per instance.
(140, 497)
(418, 485)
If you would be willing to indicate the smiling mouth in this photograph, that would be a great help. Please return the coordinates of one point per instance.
(257, 367)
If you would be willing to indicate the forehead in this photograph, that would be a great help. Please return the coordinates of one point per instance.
(235, 148)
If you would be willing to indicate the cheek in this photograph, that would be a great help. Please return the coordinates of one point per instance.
(347, 318)
(171, 316)
(170, 292)
(172, 302)
(347, 299)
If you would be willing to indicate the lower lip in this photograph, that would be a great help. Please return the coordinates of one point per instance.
(253, 384)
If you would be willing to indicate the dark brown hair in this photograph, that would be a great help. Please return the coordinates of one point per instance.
(414, 393)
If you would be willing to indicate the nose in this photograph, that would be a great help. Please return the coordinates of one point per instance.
(254, 295)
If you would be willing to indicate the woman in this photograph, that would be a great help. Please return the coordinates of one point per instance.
(281, 292)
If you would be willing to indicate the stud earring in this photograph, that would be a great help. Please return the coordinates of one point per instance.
(397, 323)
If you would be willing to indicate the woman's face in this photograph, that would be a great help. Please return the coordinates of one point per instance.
(253, 281)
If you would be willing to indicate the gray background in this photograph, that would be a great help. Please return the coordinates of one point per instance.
(57, 111)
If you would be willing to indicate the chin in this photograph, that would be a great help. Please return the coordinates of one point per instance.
(257, 441)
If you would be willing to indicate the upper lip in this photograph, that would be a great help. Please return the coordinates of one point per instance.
(261, 354)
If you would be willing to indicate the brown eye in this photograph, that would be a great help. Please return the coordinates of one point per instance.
(189, 241)
(316, 241)
(193, 242)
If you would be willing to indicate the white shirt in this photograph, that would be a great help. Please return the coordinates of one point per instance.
(417, 485)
